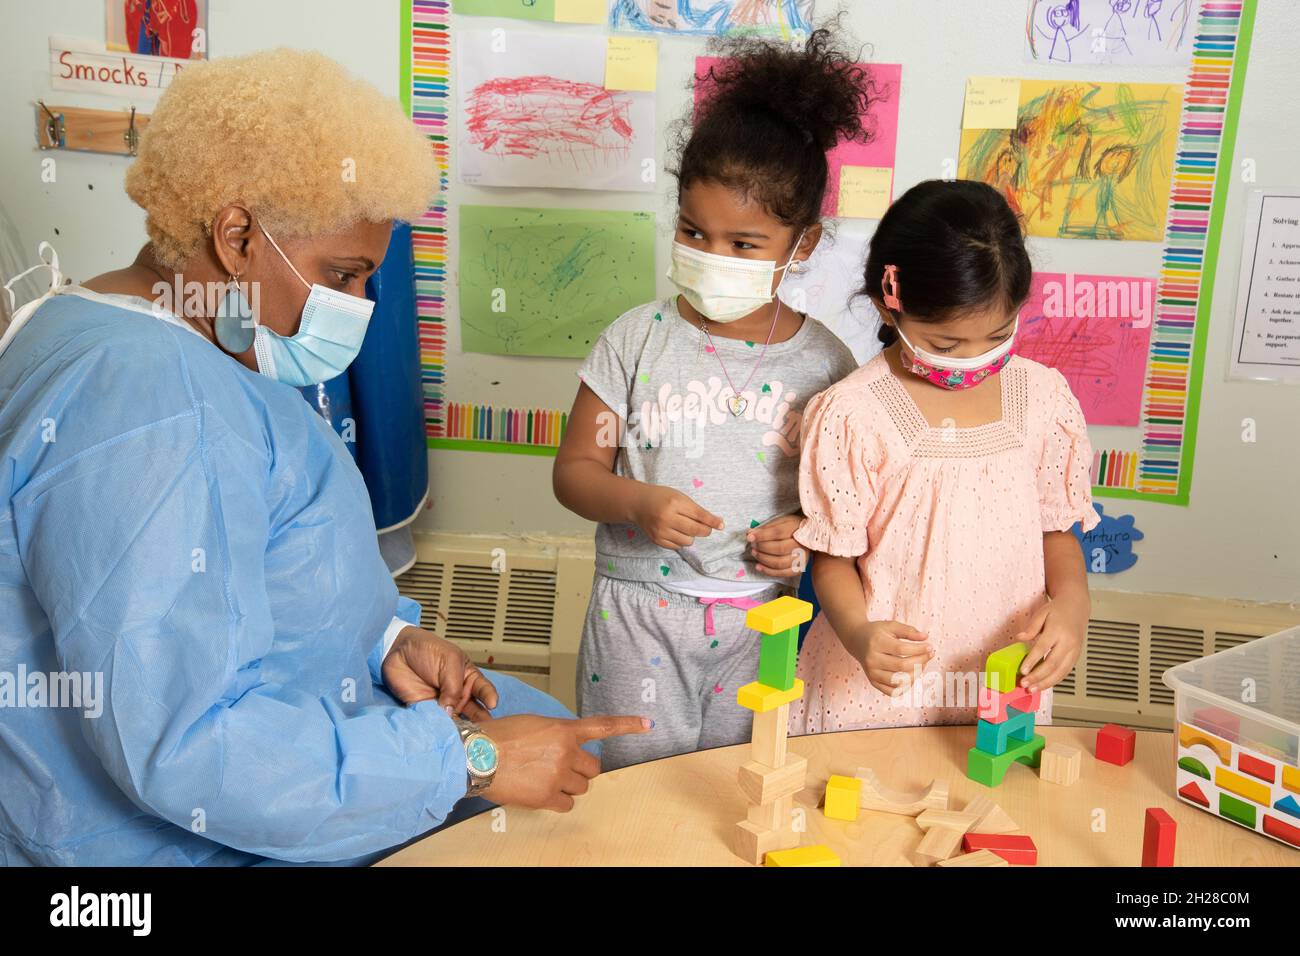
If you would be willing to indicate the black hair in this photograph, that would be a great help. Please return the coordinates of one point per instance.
(771, 114)
(956, 245)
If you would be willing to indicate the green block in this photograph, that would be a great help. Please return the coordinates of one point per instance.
(989, 769)
(1239, 811)
(776, 658)
(1192, 765)
(1001, 668)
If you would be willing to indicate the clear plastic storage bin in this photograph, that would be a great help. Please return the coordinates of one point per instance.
(1238, 729)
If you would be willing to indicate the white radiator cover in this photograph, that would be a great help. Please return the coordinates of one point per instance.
(517, 604)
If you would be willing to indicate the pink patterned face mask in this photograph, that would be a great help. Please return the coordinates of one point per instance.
(955, 373)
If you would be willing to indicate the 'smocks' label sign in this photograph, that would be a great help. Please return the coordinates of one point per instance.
(84, 65)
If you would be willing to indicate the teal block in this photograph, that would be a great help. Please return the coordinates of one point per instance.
(993, 738)
(777, 654)
(989, 769)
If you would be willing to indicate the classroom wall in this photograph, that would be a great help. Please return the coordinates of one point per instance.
(1240, 536)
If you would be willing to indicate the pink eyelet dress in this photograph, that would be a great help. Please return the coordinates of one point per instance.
(947, 527)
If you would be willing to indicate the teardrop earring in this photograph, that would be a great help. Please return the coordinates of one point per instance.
(234, 325)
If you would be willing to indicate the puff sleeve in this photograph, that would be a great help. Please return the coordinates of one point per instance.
(839, 466)
(1064, 469)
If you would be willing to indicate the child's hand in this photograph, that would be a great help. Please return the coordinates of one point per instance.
(775, 549)
(1056, 631)
(671, 519)
(890, 654)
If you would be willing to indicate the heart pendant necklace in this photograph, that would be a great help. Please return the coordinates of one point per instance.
(736, 402)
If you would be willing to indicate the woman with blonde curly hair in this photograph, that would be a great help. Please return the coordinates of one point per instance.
(216, 666)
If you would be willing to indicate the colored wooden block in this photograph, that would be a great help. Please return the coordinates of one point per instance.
(1189, 736)
(1239, 811)
(803, 856)
(761, 698)
(777, 654)
(842, 797)
(768, 739)
(779, 615)
(939, 843)
(978, 858)
(1291, 779)
(1288, 805)
(1159, 837)
(762, 784)
(989, 817)
(1060, 764)
(989, 769)
(1192, 765)
(1256, 767)
(751, 842)
(1194, 793)
(876, 796)
(1284, 831)
(1218, 721)
(1235, 783)
(993, 704)
(1116, 744)
(1002, 667)
(995, 738)
(1013, 848)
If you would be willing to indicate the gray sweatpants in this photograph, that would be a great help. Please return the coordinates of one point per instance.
(645, 653)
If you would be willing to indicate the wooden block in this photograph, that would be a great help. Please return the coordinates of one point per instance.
(876, 796)
(1115, 744)
(762, 784)
(996, 738)
(1242, 786)
(770, 731)
(779, 615)
(990, 769)
(842, 797)
(1291, 779)
(1189, 736)
(1158, 838)
(989, 817)
(802, 856)
(978, 858)
(1013, 849)
(760, 698)
(751, 843)
(1256, 767)
(993, 704)
(774, 815)
(1002, 667)
(1281, 830)
(939, 843)
(777, 654)
(1060, 764)
(959, 820)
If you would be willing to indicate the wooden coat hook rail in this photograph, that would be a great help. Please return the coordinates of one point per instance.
(92, 131)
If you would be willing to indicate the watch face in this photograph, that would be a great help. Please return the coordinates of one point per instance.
(482, 754)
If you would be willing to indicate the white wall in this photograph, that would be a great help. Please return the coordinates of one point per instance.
(1239, 538)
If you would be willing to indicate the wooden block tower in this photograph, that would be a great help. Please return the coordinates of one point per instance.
(771, 778)
(1005, 733)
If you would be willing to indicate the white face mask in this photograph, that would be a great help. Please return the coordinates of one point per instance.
(724, 288)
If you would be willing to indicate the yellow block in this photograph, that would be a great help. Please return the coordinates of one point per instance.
(802, 856)
(1189, 736)
(779, 615)
(1291, 779)
(842, 797)
(761, 698)
(1241, 786)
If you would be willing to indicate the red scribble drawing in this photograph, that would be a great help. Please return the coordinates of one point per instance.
(550, 118)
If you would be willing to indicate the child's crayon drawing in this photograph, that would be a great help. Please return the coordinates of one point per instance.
(775, 17)
(1155, 32)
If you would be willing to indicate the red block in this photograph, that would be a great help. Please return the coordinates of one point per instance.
(1256, 767)
(1159, 838)
(1011, 847)
(1283, 831)
(1115, 744)
(993, 704)
(1218, 721)
(1194, 793)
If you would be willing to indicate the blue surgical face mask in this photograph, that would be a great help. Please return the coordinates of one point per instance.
(329, 336)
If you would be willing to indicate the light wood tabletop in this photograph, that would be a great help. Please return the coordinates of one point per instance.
(681, 811)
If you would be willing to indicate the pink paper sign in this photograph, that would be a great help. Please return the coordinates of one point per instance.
(1095, 330)
(881, 118)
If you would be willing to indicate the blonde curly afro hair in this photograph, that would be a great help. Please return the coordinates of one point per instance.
(308, 147)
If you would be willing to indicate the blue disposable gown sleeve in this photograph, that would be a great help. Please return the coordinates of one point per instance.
(147, 553)
(408, 610)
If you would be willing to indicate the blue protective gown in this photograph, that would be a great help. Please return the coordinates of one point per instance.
(194, 533)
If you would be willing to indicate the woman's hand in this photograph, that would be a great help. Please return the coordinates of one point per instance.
(423, 666)
(775, 549)
(891, 654)
(671, 519)
(1056, 632)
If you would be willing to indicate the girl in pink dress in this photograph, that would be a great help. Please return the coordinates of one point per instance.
(940, 482)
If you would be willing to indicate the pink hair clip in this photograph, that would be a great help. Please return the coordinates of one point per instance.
(889, 285)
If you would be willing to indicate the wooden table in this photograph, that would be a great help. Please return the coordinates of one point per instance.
(681, 811)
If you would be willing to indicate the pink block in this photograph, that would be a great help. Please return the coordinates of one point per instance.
(993, 704)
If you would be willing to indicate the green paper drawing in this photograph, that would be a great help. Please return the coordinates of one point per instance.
(518, 9)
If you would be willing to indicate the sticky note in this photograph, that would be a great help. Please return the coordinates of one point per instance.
(631, 63)
(580, 11)
(991, 102)
(864, 191)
